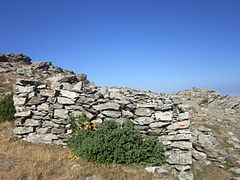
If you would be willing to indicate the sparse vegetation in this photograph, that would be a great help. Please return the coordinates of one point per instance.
(112, 144)
(7, 108)
(204, 101)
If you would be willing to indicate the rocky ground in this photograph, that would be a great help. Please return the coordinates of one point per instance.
(215, 122)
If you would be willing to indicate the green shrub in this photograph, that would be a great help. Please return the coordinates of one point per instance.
(7, 108)
(112, 143)
(204, 101)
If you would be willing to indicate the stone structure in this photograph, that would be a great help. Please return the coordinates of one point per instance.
(43, 108)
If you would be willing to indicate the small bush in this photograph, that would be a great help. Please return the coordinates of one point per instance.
(204, 101)
(7, 108)
(111, 143)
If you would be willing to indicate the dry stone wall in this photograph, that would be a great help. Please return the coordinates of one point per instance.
(43, 108)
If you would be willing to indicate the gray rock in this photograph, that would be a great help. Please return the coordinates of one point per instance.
(183, 116)
(159, 124)
(19, 101)
(43, 107)
(57, 131)
(107, 106)
(147, 105)
(179, 125)
(22, 130)
(56, 85)
(67, 86)
(84, 100)
(199, 155)
(183, 108)
(112, 114)
(36, 100)
(185, 176)
(162, 171)
(23, 89)
(235, 170)
(117, 95)
(143, 112)
(236, 178)
(60, 121)
(177, 137)
(41, 65)
(40, 139)
(144, 120)
(78, 87)
(151, 169)
(48, 92)
(69, 94)
(182, 168)
(178, 157)
(184, 145)
(23, 114)
(43, 130)
(164, 116)
(61, 113)
(127, 114)
(49, 124)
(94, 177)
(32, 122)
(81, 77)
(66, 101)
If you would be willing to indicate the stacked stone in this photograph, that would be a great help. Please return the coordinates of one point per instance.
(43, 109)
(15, 58)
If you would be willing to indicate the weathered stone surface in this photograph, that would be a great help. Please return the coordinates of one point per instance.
(147, 105)
(164, 116)
(32, 122)
(184, 145)
(69, 94)
(185, 176)
(40, 138)
(49, 124)
(22, 130)
(143, 112)
(116, 95)
(183, 116)
(48, 92)
(235, 170)
(36, 100)
(199, 155)
(177, 137)
(41, 65)
(43, 130)
(107, 106)
(84, 100)
(94, 177)
(19, 101)
(57, 131)
(159, 124)
(78, 87)
(179, 125)
(61, 113)
(112, 114)
(60, 121)
(43, 107)
(23, 114)
(127, 114)
(64, 100)
(182, 167)
(23, 89)
(178, 157)
(144, 120)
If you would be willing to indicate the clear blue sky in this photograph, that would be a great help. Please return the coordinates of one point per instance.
(158, 45)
